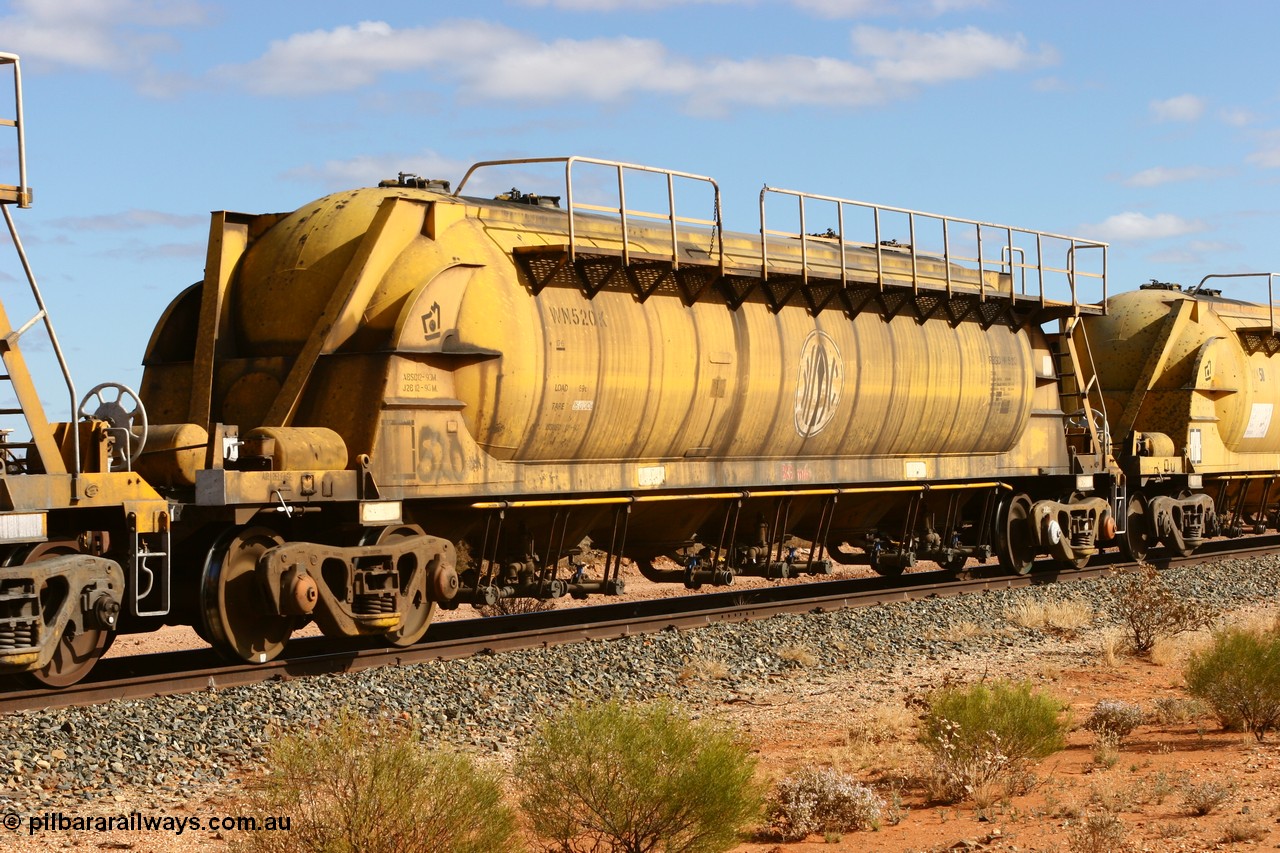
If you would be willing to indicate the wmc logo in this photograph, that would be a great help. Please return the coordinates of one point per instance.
(819, 384)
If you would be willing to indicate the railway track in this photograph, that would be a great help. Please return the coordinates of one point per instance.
(144, 676)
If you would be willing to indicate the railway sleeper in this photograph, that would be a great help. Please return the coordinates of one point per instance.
(46, 605)
(361, 590)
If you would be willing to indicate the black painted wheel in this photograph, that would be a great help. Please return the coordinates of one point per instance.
(238, 618)
(1013, 534)
(77, 652)
(1137, 541)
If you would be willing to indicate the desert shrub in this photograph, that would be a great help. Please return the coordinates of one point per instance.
(1098, 833)
(1238, 676)
(352, 786)
(1026, 721)
(636, 779)
(516, 606)
(1200, 798)
(1114, 718)
(1150, 610)
(1240, 830)
(821, 799)
(983, 735)
(1175, 710)
(967, 766)
(1106, 749)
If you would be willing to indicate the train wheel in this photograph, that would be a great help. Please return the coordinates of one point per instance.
(237, 616)
(1137, 539)
(77, 653)
(416, 609)
(1013, 534)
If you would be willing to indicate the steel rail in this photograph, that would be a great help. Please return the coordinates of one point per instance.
(146, 676)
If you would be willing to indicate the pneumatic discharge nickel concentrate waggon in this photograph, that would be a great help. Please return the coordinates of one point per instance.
(401, 398)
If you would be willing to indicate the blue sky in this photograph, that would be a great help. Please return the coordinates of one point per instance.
(1154, 126)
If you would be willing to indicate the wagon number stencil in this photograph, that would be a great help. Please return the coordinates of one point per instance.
(819, 383)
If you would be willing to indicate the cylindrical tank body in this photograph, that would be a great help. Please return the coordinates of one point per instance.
(613, 378)
(1209, 376)
(427, 313)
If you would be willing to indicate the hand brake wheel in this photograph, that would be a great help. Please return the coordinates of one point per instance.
(121, 408)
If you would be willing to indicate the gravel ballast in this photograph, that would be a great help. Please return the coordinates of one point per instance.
(177, 748)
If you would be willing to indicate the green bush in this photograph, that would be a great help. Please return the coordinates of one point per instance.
(983, 735)
(352, 786)
(1026, 721)
(635, 780)
(1238, 676)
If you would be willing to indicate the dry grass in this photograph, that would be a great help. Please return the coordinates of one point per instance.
(1106, 749)
(1057, 615)
(1174, 651)
(1177, 710)
(704, 669)
(1099, 833)
(880, 741)
(1242, 830)
(1111, 644)
(1262, 621)
(798, 655)
(959, 632)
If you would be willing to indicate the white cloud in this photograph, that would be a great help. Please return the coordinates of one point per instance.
(618, 5)
(500, 63)
(1178, 108)
(1157, 175)
(1268, 154)
(349, 58)
(368, 170)
(1210, 246)
(129, 220)
(1133, 227)
(909, 56)
(1237, 117)
(110, 35)
(870, 8)
(600, 69)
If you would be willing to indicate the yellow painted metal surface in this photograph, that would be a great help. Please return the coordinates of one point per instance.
(399, 319)
(299, 448)
(173, 454)
(1217, 401)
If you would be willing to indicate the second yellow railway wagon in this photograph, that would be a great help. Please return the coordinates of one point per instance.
(1191, 386)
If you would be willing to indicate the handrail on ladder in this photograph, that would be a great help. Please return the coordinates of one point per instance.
(23, 200)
